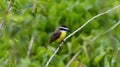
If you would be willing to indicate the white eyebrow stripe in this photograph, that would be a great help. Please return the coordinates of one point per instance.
(63, 27)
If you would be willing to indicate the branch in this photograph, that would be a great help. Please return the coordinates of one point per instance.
(30, 46)
(47, 64)
(80, 51)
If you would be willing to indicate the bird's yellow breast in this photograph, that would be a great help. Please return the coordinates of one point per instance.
(62, 36)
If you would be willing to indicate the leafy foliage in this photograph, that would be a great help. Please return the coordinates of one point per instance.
(23, 19)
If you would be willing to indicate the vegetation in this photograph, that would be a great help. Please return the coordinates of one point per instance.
(25, 22)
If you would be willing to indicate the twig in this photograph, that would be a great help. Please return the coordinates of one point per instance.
(9, 7)
(110, 29)
(32, 38)
(30, 46)
(54, 54)
(80, 51)
(73, 58)
(113, 27)
(47, 64)
(1, 25)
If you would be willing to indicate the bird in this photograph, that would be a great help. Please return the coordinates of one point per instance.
(59, 34)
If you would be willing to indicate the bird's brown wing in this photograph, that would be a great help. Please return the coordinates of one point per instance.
(55, 36)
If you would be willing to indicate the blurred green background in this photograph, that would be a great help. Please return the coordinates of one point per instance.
(23, 19)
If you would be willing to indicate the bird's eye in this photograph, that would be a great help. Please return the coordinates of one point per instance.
(62, 29)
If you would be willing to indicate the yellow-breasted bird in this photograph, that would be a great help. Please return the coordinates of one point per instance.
(59, 34)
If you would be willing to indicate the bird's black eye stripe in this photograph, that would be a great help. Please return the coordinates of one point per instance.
(63, 29)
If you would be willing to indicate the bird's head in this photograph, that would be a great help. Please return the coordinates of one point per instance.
(64, 28)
